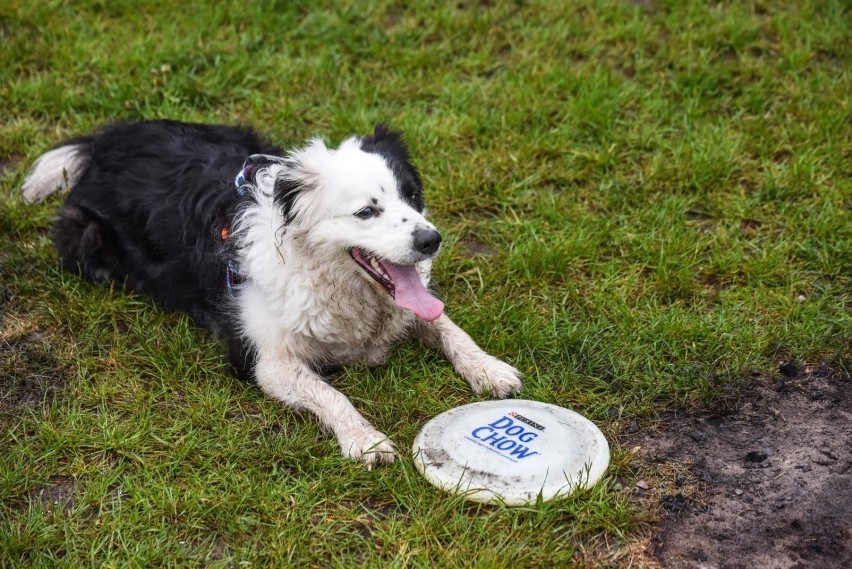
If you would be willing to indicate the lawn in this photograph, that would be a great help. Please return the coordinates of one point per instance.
(642, 203)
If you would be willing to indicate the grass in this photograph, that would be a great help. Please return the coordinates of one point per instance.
(661, 190)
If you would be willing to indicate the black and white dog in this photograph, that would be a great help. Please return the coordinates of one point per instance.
(313, 258)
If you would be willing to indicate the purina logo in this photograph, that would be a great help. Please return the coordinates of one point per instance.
(505, 437)
(529, 422)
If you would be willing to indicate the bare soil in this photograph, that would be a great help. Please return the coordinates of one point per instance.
(55, 496)
(768, 485)
(29, 373)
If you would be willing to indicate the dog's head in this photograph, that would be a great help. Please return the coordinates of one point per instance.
(362, 203)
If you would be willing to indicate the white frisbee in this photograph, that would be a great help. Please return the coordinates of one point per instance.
(511, 451)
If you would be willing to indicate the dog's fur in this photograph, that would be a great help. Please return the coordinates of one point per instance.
(153, 206)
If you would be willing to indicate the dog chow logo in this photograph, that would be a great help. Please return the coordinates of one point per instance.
(508, 437)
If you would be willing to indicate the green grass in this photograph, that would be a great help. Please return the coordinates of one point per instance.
(666, 188)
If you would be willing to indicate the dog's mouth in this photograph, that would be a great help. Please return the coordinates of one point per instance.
(401, 282)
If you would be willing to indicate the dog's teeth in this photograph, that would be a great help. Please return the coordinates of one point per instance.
(377, 267)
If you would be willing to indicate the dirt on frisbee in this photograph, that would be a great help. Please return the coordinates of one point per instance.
(768, 485)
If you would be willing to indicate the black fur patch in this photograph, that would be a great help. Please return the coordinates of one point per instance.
(390, 145)
(284, 193)
(147, 211)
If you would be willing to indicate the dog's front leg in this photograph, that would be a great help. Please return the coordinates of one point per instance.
(484, 372)
(290, 381)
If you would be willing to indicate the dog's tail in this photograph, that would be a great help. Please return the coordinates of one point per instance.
(57, 170)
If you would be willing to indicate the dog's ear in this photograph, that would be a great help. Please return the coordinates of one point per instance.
(301, 174)
(382, 130)
(387, 142)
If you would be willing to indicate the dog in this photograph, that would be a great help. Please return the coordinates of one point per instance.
(298, 261)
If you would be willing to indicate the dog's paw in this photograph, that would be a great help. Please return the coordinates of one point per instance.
(494, 376)
(367, 445)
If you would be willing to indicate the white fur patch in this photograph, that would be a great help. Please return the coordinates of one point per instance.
(56, 170)
(305, 301)
(300, 275)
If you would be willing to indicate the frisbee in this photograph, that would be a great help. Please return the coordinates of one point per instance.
(512, 451)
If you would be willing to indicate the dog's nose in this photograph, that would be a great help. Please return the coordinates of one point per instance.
(426, 241)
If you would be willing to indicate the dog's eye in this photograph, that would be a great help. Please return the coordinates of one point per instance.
(367, 213)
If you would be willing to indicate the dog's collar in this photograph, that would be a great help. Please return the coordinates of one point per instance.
(245, 183)
(232, 276)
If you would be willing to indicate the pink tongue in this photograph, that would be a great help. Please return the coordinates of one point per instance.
(410, 293)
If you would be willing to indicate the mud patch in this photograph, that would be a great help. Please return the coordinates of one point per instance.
(29, 373)
(472, 248)
(10, 164)
(769, 485)
(55, 496)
